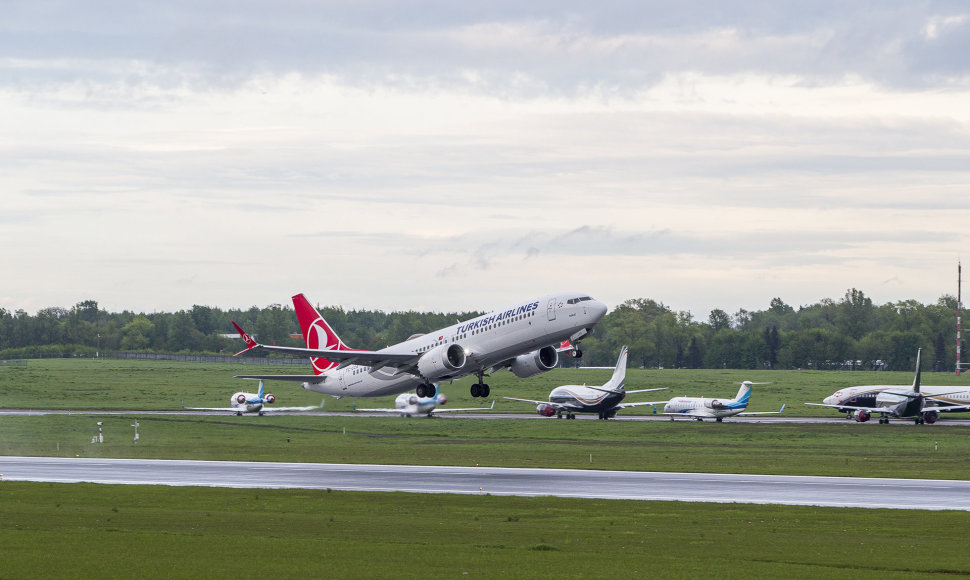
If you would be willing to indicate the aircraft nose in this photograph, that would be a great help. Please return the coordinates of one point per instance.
(597, 309)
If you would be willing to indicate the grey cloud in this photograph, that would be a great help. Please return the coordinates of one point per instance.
(511, 46)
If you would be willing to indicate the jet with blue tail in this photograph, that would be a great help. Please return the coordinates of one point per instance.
(253, 403)
(701, 408)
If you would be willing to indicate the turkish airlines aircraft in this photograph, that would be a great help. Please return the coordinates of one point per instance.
(604, 400)
(521, 338)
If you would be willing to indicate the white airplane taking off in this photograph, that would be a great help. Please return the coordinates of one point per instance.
(605, 400)
(409, 404)
(899, 402)
(701, 408)
(253, 403)
(520, 338)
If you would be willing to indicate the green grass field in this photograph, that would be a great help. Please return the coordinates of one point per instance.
(133, 531)
(97, 531)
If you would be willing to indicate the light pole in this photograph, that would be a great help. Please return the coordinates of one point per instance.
(97, 353)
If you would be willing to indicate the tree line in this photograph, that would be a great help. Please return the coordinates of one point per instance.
(851, 333)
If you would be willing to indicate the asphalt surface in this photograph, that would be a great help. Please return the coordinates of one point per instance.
(919, 494)
(839, 418)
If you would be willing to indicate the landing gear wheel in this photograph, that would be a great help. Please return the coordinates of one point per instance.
(485, 390)
(421, 391)
(476, 390)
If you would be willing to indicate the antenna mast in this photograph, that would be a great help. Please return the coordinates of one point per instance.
(959, 313)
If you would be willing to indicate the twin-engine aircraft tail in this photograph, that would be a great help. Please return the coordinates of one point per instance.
(618, 380)
(317, 334)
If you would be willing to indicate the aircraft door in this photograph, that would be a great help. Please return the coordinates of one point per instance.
(341, 380)
(551, 309)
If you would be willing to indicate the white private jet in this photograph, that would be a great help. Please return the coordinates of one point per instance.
(409, 405)
(898, 402)
(521, 338)
(701, 408)
(253, 403)
(604, 400)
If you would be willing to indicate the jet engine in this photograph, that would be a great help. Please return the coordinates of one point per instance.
(930, 417)
(544, 410)
(270, 398)
(441, 361)
(413, 400)
(862, 415)
(240, 398)
(715, 404)
(535, 362)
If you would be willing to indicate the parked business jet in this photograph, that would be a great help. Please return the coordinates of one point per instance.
(409, 404)
(899, 402)
(701, 408)
(252, 403)
(604, 400)
(521, 338)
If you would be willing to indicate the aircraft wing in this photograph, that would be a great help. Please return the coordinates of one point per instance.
(266, 409)
(626, 405)
(556, 406)
(441, 410)
(616, 392)
(227, 409)
(853, 407)
(374, 359)
(948, 407)
(693, 413)
(778, 412)
(298, 378)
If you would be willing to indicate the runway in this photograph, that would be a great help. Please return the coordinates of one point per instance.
(835, 419)
(919, 494)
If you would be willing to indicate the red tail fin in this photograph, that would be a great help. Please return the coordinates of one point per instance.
(317, 334)
(250, 343)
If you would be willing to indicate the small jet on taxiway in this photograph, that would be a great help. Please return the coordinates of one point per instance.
(253, 403)
(701, 408)
(605, 400)
(899, 402)
(409, 405)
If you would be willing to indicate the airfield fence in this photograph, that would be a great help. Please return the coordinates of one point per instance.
(255, 360)
(21, 359)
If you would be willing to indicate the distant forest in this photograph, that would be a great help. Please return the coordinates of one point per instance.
(851, 333)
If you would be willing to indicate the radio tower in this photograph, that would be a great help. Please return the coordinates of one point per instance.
(959, 313)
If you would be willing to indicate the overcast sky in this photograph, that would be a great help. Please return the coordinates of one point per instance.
(452, 156)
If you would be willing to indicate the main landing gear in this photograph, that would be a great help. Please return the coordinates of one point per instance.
(424, 391)
(480, 389)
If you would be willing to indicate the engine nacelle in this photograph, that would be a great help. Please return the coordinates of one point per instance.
(930, 417)
(441, 361)
(715, 404)
(862, 415)
(413, 400)
(544, 410)
(539, 361)
(240, 398)
(270, 398)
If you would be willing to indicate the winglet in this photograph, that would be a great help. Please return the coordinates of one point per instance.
(782, 410)
(250, 343)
